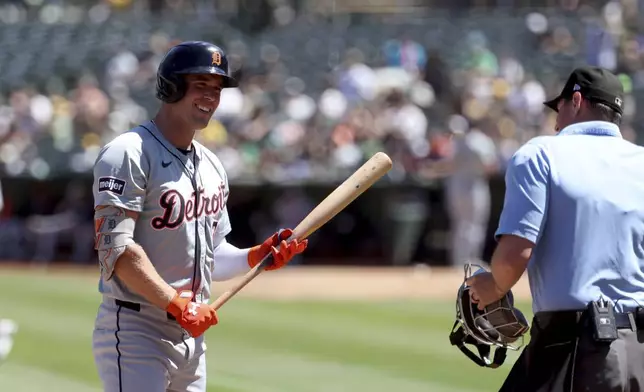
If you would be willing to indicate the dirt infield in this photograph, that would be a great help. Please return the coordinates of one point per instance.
(420, 282)
(358, 283)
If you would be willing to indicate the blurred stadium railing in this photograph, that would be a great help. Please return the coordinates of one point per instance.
(324, 85)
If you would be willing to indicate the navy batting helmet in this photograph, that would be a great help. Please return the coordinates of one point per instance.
(191, 57)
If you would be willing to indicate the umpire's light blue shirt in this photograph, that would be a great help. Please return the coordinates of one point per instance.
(579, 196)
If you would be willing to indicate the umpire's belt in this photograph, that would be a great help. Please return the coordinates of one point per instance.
(569, 321)
(137, 307)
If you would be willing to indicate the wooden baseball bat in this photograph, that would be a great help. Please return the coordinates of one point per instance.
(370, 172)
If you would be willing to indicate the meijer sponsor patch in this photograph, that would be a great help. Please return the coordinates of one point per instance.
(111, 184)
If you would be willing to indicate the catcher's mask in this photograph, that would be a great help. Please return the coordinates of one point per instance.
(499, 325)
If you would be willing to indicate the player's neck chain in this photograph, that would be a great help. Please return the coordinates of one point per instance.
(186, 151)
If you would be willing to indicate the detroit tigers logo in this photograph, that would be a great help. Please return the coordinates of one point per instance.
(216, 58)
(176, 209)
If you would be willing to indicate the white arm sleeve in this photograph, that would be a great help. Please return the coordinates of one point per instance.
(230, 261)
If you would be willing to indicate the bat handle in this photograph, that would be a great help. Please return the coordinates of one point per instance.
(250, 275)
(223, 298)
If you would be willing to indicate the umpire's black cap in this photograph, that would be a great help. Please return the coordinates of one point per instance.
(595, 84)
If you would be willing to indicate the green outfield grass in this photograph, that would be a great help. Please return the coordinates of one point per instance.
(271, 346)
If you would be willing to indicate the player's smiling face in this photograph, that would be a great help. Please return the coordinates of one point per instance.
(202, 98)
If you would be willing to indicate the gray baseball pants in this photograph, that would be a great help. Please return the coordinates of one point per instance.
(144, 350)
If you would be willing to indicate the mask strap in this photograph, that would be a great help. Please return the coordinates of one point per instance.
(457, 338)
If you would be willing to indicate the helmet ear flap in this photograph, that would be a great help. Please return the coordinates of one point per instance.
(170, 89)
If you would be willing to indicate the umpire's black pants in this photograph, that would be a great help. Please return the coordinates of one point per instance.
(563, 357)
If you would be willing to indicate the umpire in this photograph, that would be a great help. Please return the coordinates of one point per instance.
(573, 215)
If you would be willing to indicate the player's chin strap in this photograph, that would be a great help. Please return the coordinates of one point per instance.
(459, 338)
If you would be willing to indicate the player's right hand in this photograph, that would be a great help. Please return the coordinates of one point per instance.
(194, 317)
(281, 256)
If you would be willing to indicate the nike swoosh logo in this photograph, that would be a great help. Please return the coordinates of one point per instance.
(165, 164)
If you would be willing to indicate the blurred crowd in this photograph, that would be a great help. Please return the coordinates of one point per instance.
(275, 127)
(408, 93)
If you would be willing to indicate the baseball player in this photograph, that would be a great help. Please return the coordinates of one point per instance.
(161, 223)
(573, 216)
(467, 194)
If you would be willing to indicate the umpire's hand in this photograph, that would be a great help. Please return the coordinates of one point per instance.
(483, 289)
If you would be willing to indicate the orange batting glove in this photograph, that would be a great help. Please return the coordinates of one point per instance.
(194, 317)
(281, 256)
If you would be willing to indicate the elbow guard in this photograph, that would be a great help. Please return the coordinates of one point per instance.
(114, 231)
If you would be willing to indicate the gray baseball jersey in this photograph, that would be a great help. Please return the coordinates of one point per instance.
(181, 200)
(472, 152)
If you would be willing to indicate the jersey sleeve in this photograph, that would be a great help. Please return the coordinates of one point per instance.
(526, 196)
(120, 175)
(223, 225)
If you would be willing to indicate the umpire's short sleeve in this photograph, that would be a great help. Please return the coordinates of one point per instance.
(526, 194)
(120, 177)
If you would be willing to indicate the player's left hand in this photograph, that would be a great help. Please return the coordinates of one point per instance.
(287, 250)
(484, 290)
(194, 317)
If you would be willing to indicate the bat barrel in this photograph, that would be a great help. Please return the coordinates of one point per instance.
(363, 178)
